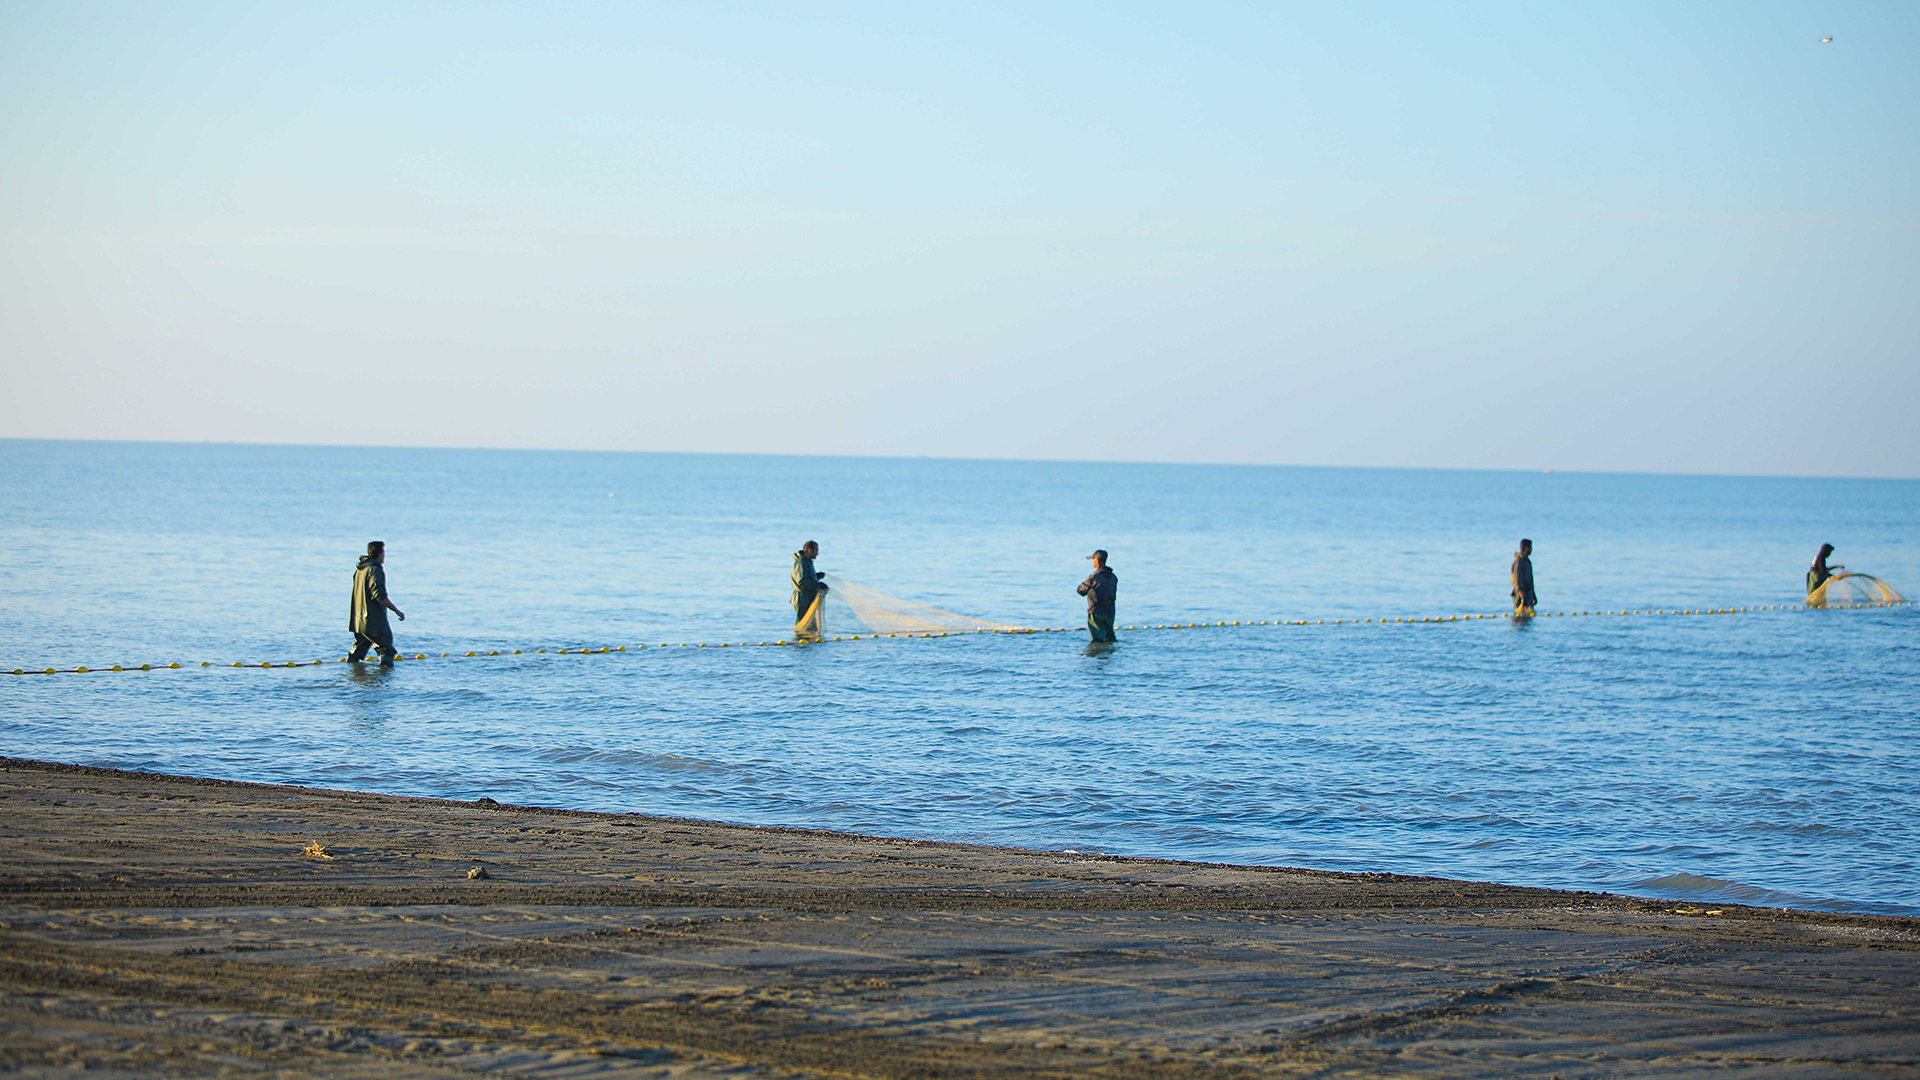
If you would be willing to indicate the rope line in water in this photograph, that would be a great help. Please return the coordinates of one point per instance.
(593, 651)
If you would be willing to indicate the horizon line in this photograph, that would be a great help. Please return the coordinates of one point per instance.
(944, 457)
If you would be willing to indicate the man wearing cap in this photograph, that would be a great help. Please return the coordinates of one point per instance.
(1100, 589)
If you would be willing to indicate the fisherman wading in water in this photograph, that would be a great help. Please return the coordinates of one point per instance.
(1521, 577)
(1819, 572)
(807, 588)
(367, 617)
(1100, 589)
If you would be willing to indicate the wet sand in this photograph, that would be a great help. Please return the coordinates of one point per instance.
(170, 926)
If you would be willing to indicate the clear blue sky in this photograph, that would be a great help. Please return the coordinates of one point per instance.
(1666, 236)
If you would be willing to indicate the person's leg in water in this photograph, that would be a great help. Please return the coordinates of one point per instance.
(364, 642)
(808, 617)
(1521, 608)
(1100, 626)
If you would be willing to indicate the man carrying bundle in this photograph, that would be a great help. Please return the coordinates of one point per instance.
(807, 588)
(1521, 577)
(367, 617)
(1100, 589)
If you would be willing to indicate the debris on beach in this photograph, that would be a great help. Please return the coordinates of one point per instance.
(478, 873)
(315, 851)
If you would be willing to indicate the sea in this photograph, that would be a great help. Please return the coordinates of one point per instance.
(1764, 757)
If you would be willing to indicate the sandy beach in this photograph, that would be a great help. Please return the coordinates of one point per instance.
(169, 926)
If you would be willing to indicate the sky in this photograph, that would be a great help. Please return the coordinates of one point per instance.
(1663, 237)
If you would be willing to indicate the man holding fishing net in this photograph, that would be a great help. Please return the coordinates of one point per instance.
(809, 592)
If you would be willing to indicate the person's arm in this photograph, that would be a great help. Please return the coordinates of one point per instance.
(380, 593)
(1082, 590)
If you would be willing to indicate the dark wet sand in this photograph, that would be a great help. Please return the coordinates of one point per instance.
(167, 926)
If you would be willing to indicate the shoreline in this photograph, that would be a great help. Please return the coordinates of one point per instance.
(164, 925)
(1479, 887)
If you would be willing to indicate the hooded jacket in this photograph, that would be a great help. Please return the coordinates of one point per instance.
(1523, 579)
(368, 613)
(806, 582)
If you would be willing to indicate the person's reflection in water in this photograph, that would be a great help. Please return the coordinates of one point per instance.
(369, 711)
(378, 675)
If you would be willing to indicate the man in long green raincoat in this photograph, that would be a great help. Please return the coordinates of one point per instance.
(367, 617)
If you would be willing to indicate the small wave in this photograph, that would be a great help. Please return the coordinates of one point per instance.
(632, 758)
(1700, 887)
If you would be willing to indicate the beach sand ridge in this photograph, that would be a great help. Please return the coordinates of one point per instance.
(173, 926)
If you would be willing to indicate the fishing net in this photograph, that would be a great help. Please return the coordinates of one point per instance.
(862, 609)
(813, 625)
(1848, 589)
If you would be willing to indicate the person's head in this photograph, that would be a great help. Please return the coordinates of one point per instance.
(1826, 550)
(1099, 559)
(811, 548)
(1526, 547)
(377, 550)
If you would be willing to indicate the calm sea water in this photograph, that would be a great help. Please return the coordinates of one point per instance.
(1764, 757)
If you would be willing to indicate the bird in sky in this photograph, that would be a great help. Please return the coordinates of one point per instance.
(1826, 41)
